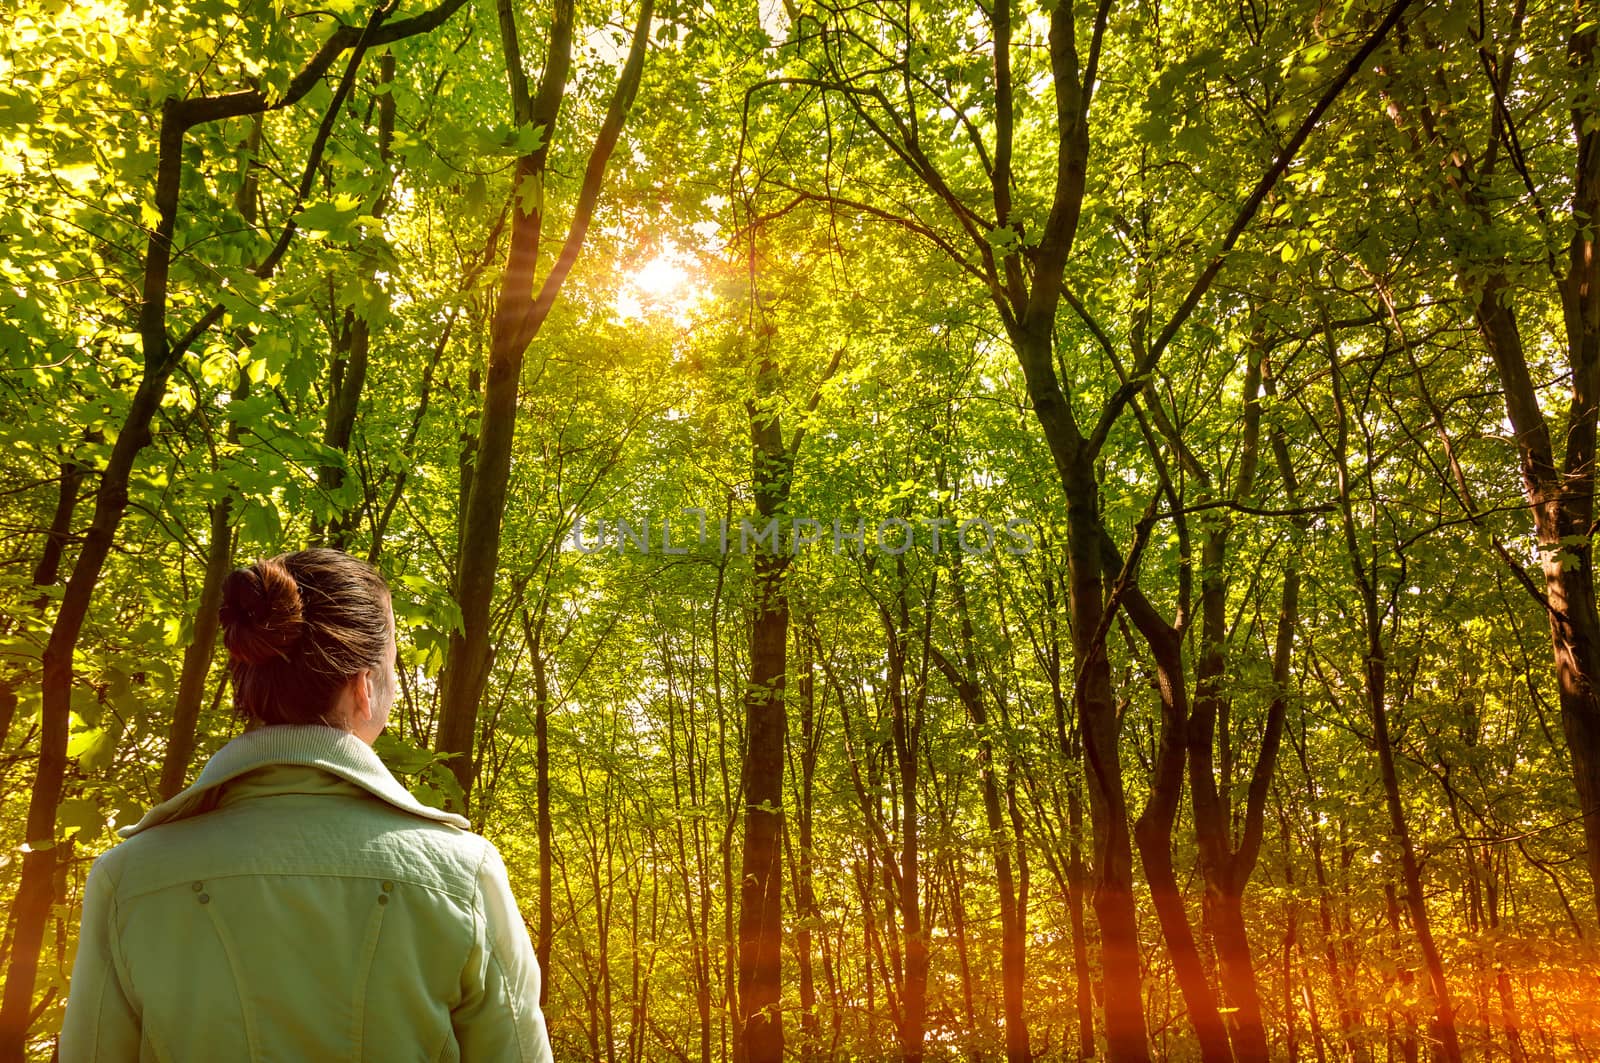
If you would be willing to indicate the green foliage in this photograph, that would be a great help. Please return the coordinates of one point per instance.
(806, 241)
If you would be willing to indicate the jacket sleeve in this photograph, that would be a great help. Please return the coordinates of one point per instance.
(499, 1017)
(101, 1025)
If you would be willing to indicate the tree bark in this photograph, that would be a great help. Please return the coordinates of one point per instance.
(1154, 827)
(1111, 870)
(1083, 989)
(351, 354)
(906, 734)
(760, 1019)
(1225, 868)
(47, 571)
(1013, 921)
(519, 314)
(806, 911)
(1574, 618)
(761, 881)
(541, 789)
(197, 656)
(1070, 749)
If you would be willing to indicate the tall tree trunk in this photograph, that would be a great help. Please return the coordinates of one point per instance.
(1070, 749)
(688, 829)
(1083, 990)
(519, 313)
(1019, 846)
(1406, 980)
(760, 981)
(1562, 499)
(1291, 941)
(1154, 827)
(1448, 1048)
(348, 369)
(1574, 620)
(219, 551)
(8, 705)
(956, 886)
(1349, 1014)
(730, 951)
(906, 736)
(541, 790)
(806, 911)
(1111, 870)
(760, 1032)
(45, 573)
(198, 654)
(1509, 1019)
(1226, 867)
(1013, 930)
(699, 768)
(48, 569)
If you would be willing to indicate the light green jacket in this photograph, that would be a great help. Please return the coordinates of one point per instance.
(297, 904)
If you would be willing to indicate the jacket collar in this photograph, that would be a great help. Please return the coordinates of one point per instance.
(314, 745)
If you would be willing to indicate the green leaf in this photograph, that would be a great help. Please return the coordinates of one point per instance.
(92, 748)
(331, 215)
(505, 140)
(79, 815)
(400, 756)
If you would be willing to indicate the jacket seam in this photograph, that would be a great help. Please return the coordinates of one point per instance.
(123, 974)
(251, 1035)
(120, 971)
(463, 895)
(100, 1010)
(492, 943)
(511, 1003)
(370, 951)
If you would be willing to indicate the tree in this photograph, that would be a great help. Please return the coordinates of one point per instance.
(161, 355)
(986, 232)
(1464, 179)
(519, 313)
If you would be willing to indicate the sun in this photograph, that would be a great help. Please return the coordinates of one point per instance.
(661, 278)
(664, 284)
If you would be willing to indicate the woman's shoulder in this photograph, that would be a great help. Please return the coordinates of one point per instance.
(362, 838)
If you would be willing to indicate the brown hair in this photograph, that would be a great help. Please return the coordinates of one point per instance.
(297, 627)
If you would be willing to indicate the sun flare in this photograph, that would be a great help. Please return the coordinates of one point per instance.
(661, 278)
(664, 284)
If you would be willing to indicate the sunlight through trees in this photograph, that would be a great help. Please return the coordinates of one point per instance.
(921, 530)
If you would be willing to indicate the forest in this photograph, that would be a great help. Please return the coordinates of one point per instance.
(922, 529)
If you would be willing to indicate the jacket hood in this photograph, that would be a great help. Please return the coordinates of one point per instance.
(337, 752)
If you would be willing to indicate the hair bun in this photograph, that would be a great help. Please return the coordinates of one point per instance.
(261, 612)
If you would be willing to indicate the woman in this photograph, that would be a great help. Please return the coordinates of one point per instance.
(296, 903)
